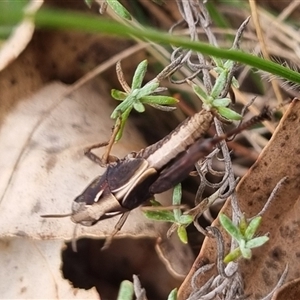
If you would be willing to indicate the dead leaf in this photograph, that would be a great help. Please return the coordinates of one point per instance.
(279, 159)
(290, 291)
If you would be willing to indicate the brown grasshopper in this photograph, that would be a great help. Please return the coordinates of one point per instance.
(129, 182)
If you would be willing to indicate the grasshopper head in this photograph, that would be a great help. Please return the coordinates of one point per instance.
(95, 203)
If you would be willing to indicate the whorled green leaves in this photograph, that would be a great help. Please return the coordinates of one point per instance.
(243, 233)
(212, 100)
(136, 96)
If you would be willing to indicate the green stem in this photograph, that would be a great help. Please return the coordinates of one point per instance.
(78, 21)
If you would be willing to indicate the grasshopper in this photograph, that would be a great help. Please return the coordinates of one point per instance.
(131, 181)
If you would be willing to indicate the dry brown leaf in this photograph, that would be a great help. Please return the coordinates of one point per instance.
(289, 291)
(280, 158)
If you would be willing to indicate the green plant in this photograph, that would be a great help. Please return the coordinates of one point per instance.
(179, 221)
(243, 233)
(136, 96)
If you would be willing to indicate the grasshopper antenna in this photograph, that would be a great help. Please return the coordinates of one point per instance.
(73, 243)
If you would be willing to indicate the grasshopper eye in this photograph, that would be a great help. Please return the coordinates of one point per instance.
(98, 196)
